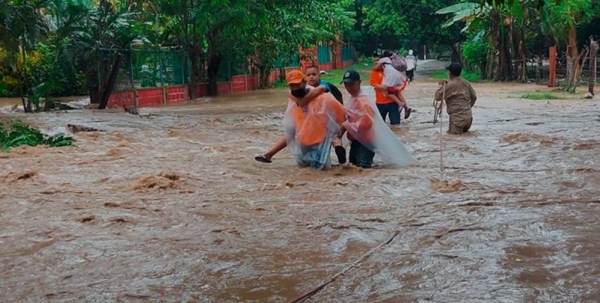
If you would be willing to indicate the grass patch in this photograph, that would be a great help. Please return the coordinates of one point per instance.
(15, 133)
(552, 95)
(542, 96)
(467, 75)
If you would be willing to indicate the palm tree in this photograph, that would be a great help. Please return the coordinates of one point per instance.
(21, 26)
(98, 37)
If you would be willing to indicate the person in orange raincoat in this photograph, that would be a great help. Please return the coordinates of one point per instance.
(310, 129)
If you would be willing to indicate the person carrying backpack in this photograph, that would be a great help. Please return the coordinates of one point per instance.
(395, 82)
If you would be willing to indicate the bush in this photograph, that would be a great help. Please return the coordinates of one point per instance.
(475, 52)
(17, 134)
(42, 66)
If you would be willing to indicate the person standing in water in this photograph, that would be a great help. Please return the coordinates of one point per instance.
(411, 65)
(367, 131)
(359, 123)
(311, 129)
(460, 98)
(385, 104)
(317, 87)
(394, 82)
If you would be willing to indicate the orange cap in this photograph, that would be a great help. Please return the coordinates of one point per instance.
(294, 77)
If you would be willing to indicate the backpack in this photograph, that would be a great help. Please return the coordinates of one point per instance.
(336, 93)
(398, 63)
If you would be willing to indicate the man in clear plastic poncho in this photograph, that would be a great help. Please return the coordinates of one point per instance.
(367, 130)
(310, 129)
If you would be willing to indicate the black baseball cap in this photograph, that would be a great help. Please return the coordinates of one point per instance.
(455, 68)
(351, 76)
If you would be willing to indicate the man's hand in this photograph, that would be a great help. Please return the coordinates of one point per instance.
(380, 88)
(443, 82)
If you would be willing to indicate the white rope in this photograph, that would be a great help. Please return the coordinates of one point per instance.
(441, 129)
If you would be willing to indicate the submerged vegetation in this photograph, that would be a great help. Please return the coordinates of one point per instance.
(15, 133)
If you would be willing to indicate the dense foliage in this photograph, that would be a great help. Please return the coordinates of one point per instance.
(64, 47)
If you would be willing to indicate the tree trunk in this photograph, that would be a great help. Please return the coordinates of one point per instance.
(512, 48)
(264, 73)
(495, 36)
(24, 83)
(334, 53)
(573, 56)
(507, 70)
(579, 69)
(193, 54)
(214, 62)
(593, 62)
(538, 70)
(111, 81)
(456, 55)
(522, 57)
(94, 92)
(491, 65)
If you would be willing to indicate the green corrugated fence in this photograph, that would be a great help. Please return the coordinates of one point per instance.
(323, 54)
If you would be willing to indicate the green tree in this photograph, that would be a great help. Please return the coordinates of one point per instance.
(410, 24)
(99, 41)
(22, 25)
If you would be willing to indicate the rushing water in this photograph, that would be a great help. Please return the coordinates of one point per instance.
(171, 207)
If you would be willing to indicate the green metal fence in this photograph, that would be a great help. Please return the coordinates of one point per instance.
(347, 52)
(323, 54)
(157, 68)
(166, 67)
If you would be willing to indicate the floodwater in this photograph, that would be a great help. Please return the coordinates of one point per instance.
(171, 207)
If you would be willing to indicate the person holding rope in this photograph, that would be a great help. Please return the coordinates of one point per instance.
(459, 97)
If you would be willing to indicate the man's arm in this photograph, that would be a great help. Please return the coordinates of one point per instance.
(312, 94)
(367, 121)
(379, 65)
(380, 88)
(472, 94)
(340, 112)
(439, 94)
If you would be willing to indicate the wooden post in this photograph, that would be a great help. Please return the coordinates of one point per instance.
(593, 63)
(424, 52)
(552, 59)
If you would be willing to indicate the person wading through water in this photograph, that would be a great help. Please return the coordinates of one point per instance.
(311, 129)
(394, 81)
(385, 104)
(317, 87)
(460, 98)
(367, 131)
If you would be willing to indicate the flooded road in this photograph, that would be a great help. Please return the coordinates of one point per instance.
(172, 207)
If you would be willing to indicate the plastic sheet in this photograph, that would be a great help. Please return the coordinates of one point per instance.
(366, 125)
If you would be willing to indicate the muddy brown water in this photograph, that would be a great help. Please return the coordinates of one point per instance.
(172, 207)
